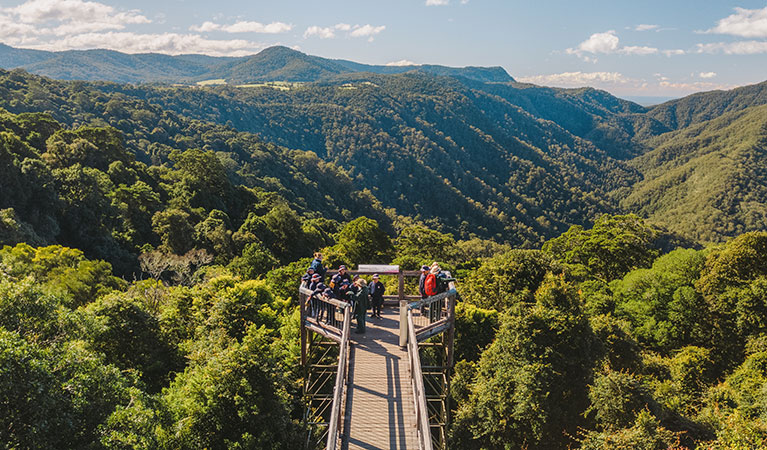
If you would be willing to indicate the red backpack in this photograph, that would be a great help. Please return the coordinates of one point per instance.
(430, 285)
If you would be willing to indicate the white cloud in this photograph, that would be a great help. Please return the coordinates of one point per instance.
(168, 43)
(42, 11)
(619, 84)
(607, 43)
(576, 79)
(750, 23)
(27, 22)
(681, 87)
(674, 52)
(355, 31)
(633, 50)
(707, 74)
(322, 33)
(366, 30)
(734, 48)
(244, 27)
(646, 27)
(58, 25)
(401, 63)
(205, 27)
(437, 2)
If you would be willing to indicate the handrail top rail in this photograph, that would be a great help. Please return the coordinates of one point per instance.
(433, 298)
(407, 273)
(332, 301)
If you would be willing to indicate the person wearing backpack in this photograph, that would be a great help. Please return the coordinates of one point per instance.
(431, 284)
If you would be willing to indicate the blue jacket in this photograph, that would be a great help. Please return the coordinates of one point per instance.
(318, 268)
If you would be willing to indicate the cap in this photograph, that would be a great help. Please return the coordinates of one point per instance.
(316, 276)
(310, 268)
(342, 267)
(375, 277)
(425, 267)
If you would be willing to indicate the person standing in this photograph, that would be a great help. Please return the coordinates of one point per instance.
(361, 303)
(338, 280)
(422, 280)
(376, 289)
(422, 287)
(317, 266)
(431, 284)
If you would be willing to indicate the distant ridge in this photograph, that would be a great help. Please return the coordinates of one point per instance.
(272, 64)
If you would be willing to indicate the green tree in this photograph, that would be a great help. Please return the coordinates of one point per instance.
(530, 390)
(234, 398)
(362, 241)
(612, 248)
(417, 245)
(174, 229)
(507, 279)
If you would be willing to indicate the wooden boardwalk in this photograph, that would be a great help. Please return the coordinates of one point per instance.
(380, 412)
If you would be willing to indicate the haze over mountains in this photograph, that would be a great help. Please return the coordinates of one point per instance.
(465, 150)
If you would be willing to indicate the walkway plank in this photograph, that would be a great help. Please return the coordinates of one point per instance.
(380, 412)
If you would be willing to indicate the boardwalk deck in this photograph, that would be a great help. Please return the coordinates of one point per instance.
(380, 410)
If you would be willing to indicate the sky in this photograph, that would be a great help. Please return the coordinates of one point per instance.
(665, 48)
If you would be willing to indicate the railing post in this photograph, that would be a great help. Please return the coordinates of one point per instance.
(451, 331)
(302, 307)
(402, 311)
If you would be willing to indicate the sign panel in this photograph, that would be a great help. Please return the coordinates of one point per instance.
(378, 268)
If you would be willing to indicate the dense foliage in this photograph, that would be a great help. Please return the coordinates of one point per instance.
(664, 351)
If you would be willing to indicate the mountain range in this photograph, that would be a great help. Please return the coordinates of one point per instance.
(468, 151)
(272, 64)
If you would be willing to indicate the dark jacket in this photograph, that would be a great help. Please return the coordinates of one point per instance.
(421, 287)
(376, 290)
(361, 299)
(318, 268)
(336, 282)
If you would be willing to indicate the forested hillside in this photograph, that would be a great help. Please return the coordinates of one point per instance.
(518, 180)
(708, 180)
(137, 178)
(473, 153)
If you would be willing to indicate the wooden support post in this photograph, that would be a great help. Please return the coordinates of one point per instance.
(302, 307)
(402, 311)
(451, 331)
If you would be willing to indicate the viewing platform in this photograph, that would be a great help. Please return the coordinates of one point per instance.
(376, 390)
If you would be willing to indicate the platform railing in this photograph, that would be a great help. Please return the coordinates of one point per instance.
(427, 318)
(331, 319)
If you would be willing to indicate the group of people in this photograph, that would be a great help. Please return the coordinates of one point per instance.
(342, 286)
(361, 295)
(433, 280)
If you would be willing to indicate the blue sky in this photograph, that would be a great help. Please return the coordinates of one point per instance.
(630, 48)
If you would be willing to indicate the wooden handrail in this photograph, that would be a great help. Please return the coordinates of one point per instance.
(338, 389)
(433, 298)
(416, 378)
